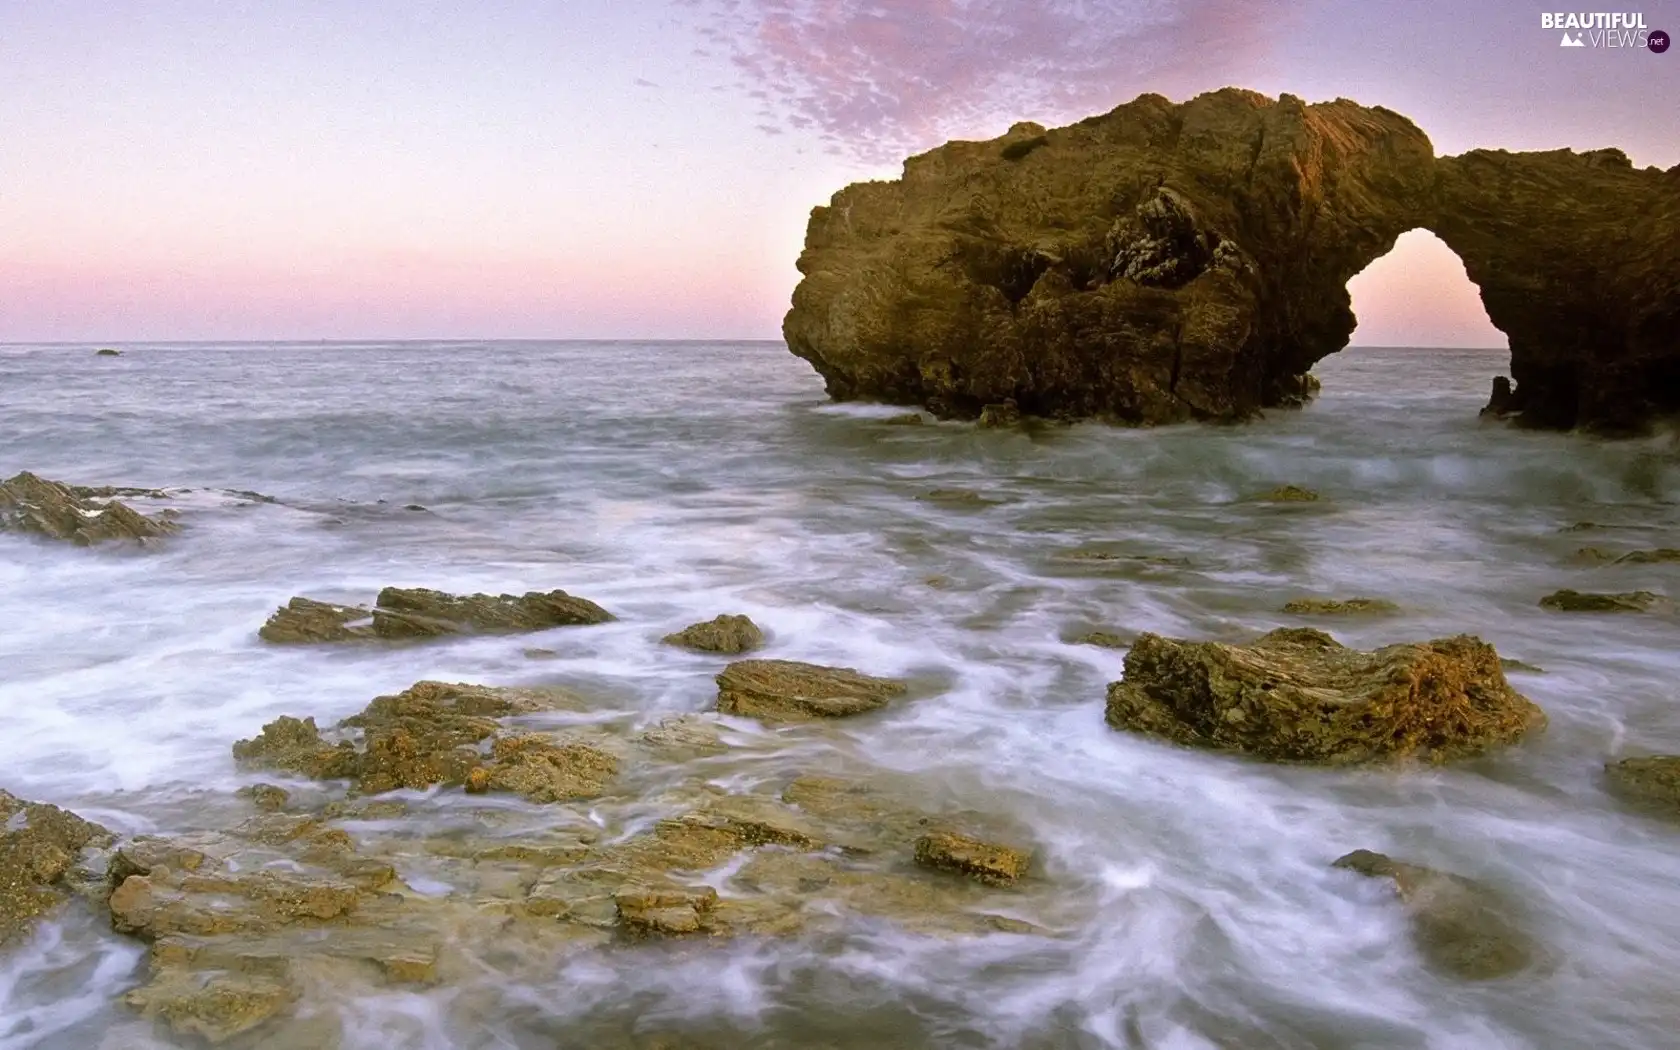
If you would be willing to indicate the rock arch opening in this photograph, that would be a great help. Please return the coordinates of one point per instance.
(1418, 295)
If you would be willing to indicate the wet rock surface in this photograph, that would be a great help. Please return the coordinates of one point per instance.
(786, 690)
(1298, 695)
(418, 613)
(41, 847)
(986, 861)
(252, 927)
(1289, 494)
(1580, 601)
(438, 733)
(31, 504)
(1462, 928)
(1162, 262)
(1649, 781)
(1340, 607)
(732, 634)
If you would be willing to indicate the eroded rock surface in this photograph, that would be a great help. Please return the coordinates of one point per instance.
(732, 634)
(46, 508)
(786, 690)
(1166, 262)
(248, 926)
(418, 612)
(1461, 927)
(439, 733)
(40, 847)
(1298, 695)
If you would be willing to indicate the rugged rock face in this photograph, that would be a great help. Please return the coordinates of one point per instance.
(40, 846)
(417, 612)
(1166, 262)
(1577, 256)
(1459, 926)
(81, 516)
(1298, 695)
(1584, 601)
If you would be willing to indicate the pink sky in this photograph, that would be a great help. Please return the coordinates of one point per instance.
(197, 170)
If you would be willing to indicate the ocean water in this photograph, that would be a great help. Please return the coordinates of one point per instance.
(1194, 905)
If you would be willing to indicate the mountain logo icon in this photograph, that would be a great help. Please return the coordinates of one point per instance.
(1574, 41)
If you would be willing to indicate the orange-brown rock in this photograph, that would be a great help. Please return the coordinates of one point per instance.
(419, 612)
(1298, 695)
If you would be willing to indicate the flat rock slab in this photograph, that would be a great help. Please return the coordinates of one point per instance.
(731, 634)
(1298, 695)
(417, 613)
(47, 508)
(1338, 607)
(1461, 927)
(789, 691)
(1579, 601)
(989, 862)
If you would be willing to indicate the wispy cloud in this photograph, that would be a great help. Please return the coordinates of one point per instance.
(882, 77)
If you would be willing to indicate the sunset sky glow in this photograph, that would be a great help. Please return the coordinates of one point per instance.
(594, 169)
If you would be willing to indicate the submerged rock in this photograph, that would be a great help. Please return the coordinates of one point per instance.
(723, 634)
(417, 612)
(1652, 781)
(908, 419)
(1659, 556)
(1104, 640)
(1520, 666)
(1579, 601)
(106, 351)
(1289, 494)
(1460, 926)
(1334, 607)
(1298, 695)
(786, 690)
(438, 733)
(47, 508)
(40, 847)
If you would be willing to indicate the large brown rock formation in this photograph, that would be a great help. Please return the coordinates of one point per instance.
(1168, 262)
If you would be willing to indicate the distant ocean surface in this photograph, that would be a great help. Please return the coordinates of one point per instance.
(1195, 906)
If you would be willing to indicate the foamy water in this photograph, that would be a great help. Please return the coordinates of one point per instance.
(1195, 906)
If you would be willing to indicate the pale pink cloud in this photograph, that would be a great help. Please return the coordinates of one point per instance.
(882, 79)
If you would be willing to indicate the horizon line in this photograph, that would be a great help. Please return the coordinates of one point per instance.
(116, 343)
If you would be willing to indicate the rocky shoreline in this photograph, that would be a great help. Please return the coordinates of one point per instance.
(452, 821)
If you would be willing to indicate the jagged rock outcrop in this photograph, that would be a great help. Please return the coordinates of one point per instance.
(439, 733)
(40, 847)
(418, 612)
(82, 516)
(1298, 695)
(1166, 262)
